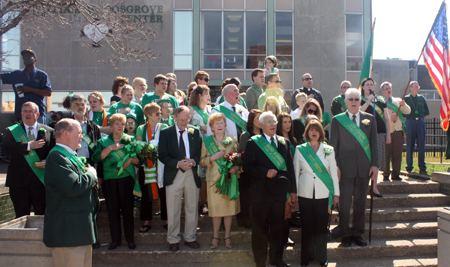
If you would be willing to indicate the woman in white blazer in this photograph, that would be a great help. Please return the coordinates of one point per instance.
(313, 195)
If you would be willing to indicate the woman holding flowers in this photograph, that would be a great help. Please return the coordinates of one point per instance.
(214, 149)
(148, 174)
(119, 180)
(317, 189)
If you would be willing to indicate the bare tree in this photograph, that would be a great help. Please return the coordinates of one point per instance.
(104, 25)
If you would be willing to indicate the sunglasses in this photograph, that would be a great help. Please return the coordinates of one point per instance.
(158, 113)
(206, 79)
(353, 99)
(307, 79)
(312, 111)
(277, 81)
(131, 123)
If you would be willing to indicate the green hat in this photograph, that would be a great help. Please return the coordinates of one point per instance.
(165, 100)
(131, 115)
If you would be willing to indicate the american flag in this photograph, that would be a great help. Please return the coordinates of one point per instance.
(436, 57)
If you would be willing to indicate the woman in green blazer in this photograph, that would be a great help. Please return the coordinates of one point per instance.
(118, 189)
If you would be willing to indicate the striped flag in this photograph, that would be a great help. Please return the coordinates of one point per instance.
(436, 57)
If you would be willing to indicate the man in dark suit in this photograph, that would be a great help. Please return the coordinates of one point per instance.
(357, 163)
(27, 143)
(265, 156)
(180, 148)
(71, 192)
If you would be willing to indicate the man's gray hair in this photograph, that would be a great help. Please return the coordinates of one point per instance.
(180, 109)
(227, 87)
(352, 91)
(29, 103)
(346, 82)
(412, 83)
(78, 97)
(266, 114)
(384, 84)
(64, 125)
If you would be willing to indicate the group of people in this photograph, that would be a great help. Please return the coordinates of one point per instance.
(252, 157)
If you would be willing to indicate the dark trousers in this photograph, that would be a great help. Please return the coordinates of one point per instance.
(353, 189)
(415, 130)
(119, 200)
(394, 152)
(25, 197)
(314, 216)
(267, 228)
(244, 197)
(146, 202)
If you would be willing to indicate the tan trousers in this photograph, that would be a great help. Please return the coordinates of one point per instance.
(182, 184)
(72, 256)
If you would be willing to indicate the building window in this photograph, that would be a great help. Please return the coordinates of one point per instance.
(354, 41)
(183, 40)
(283, 42)
(11, 46)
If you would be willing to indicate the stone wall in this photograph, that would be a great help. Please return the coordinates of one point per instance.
(6, 205)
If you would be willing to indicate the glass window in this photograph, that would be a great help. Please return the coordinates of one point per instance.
(255, 47)
(283, 42)
(354, 41)
(354, 6)
(233, 33)
(212, 34)
(354, 63)
(8, 101)
(183, 40)
(11, 46)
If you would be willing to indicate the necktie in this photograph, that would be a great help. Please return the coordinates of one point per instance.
(182, 147)
(354, 119)
(390, 99)
(31, 136)
(272, 142)
(238, 129)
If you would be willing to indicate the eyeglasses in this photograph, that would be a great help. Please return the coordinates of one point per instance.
(345, 87)
(312, 111)
(271, 122)
(307, 79)
(206, 79)
(158, 113)
(131, 123)
(353, 99)
(277, 81)
(28, 112)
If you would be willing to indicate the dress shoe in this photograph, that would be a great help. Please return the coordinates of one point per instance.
(396, 178)
(423, 172)
(386, 178)
(165, 226)
(114, 245)
(280, 264)
(377, 195)
(96, 245)
(346, 242)
(193, 244)
(290, 243)
(131, 245)
(304, 264)
(174, 247)
(359, 241)
(324, 263)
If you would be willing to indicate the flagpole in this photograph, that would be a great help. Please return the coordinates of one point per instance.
(421, 53)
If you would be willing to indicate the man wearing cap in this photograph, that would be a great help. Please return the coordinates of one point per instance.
(30, 84)
(338, 104)
(268, 160)
(307, 82)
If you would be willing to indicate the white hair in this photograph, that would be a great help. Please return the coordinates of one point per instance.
(346, 82)
(384, 84)
(227, 87)
(266, 114)
(352, 91)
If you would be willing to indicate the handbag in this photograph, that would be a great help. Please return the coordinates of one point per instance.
(337, 231)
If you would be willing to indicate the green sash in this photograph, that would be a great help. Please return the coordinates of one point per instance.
(342, 102)
(202, 113)
(119, 155)
(257, 89)
(228, 188)
(377, 108)
(356, 132)
(394, 108)
(88, 141)
(232, 116)
(74, 159)
(20, 136)
(270, 152)
(319, 169)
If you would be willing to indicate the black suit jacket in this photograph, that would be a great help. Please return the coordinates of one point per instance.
(20, 173)
(350, 156)
(257, 164)
(169, 152)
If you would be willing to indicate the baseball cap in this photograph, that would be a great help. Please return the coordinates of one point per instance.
(28, 51)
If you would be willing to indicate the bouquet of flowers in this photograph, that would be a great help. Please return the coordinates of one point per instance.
(228, 184)
(138, 149)
(235, 158)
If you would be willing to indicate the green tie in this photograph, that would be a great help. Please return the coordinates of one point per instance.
(390, 99)
(31, 136)
(272, 142)
(354, 119)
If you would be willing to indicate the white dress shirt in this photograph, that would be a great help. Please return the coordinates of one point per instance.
(185, 139)
(34, 130)
(231, 126)
(358, 115)
(270, 141)
(307, 181)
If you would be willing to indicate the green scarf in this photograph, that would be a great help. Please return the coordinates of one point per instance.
(356, 132)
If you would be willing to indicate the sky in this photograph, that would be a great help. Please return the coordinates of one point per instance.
(402, 27)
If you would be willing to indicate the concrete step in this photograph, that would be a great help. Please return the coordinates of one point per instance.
(408, 186)
(410, 200)
(242, 235)
(409, 247)
(412, 261)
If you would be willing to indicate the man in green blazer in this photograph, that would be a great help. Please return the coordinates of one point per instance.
(180, 148)
(71, 195)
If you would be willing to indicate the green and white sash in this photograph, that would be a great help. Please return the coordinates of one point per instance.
(151, 173)
(88, 141)
(74, 159)
(20, 136)
(377, 108)
(341, 101)
(202, 113)
(356, 132)
(270, 152)
(233, 116)
(319, 169)
(394, 108)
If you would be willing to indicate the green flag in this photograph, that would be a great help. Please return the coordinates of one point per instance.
(366, 69)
